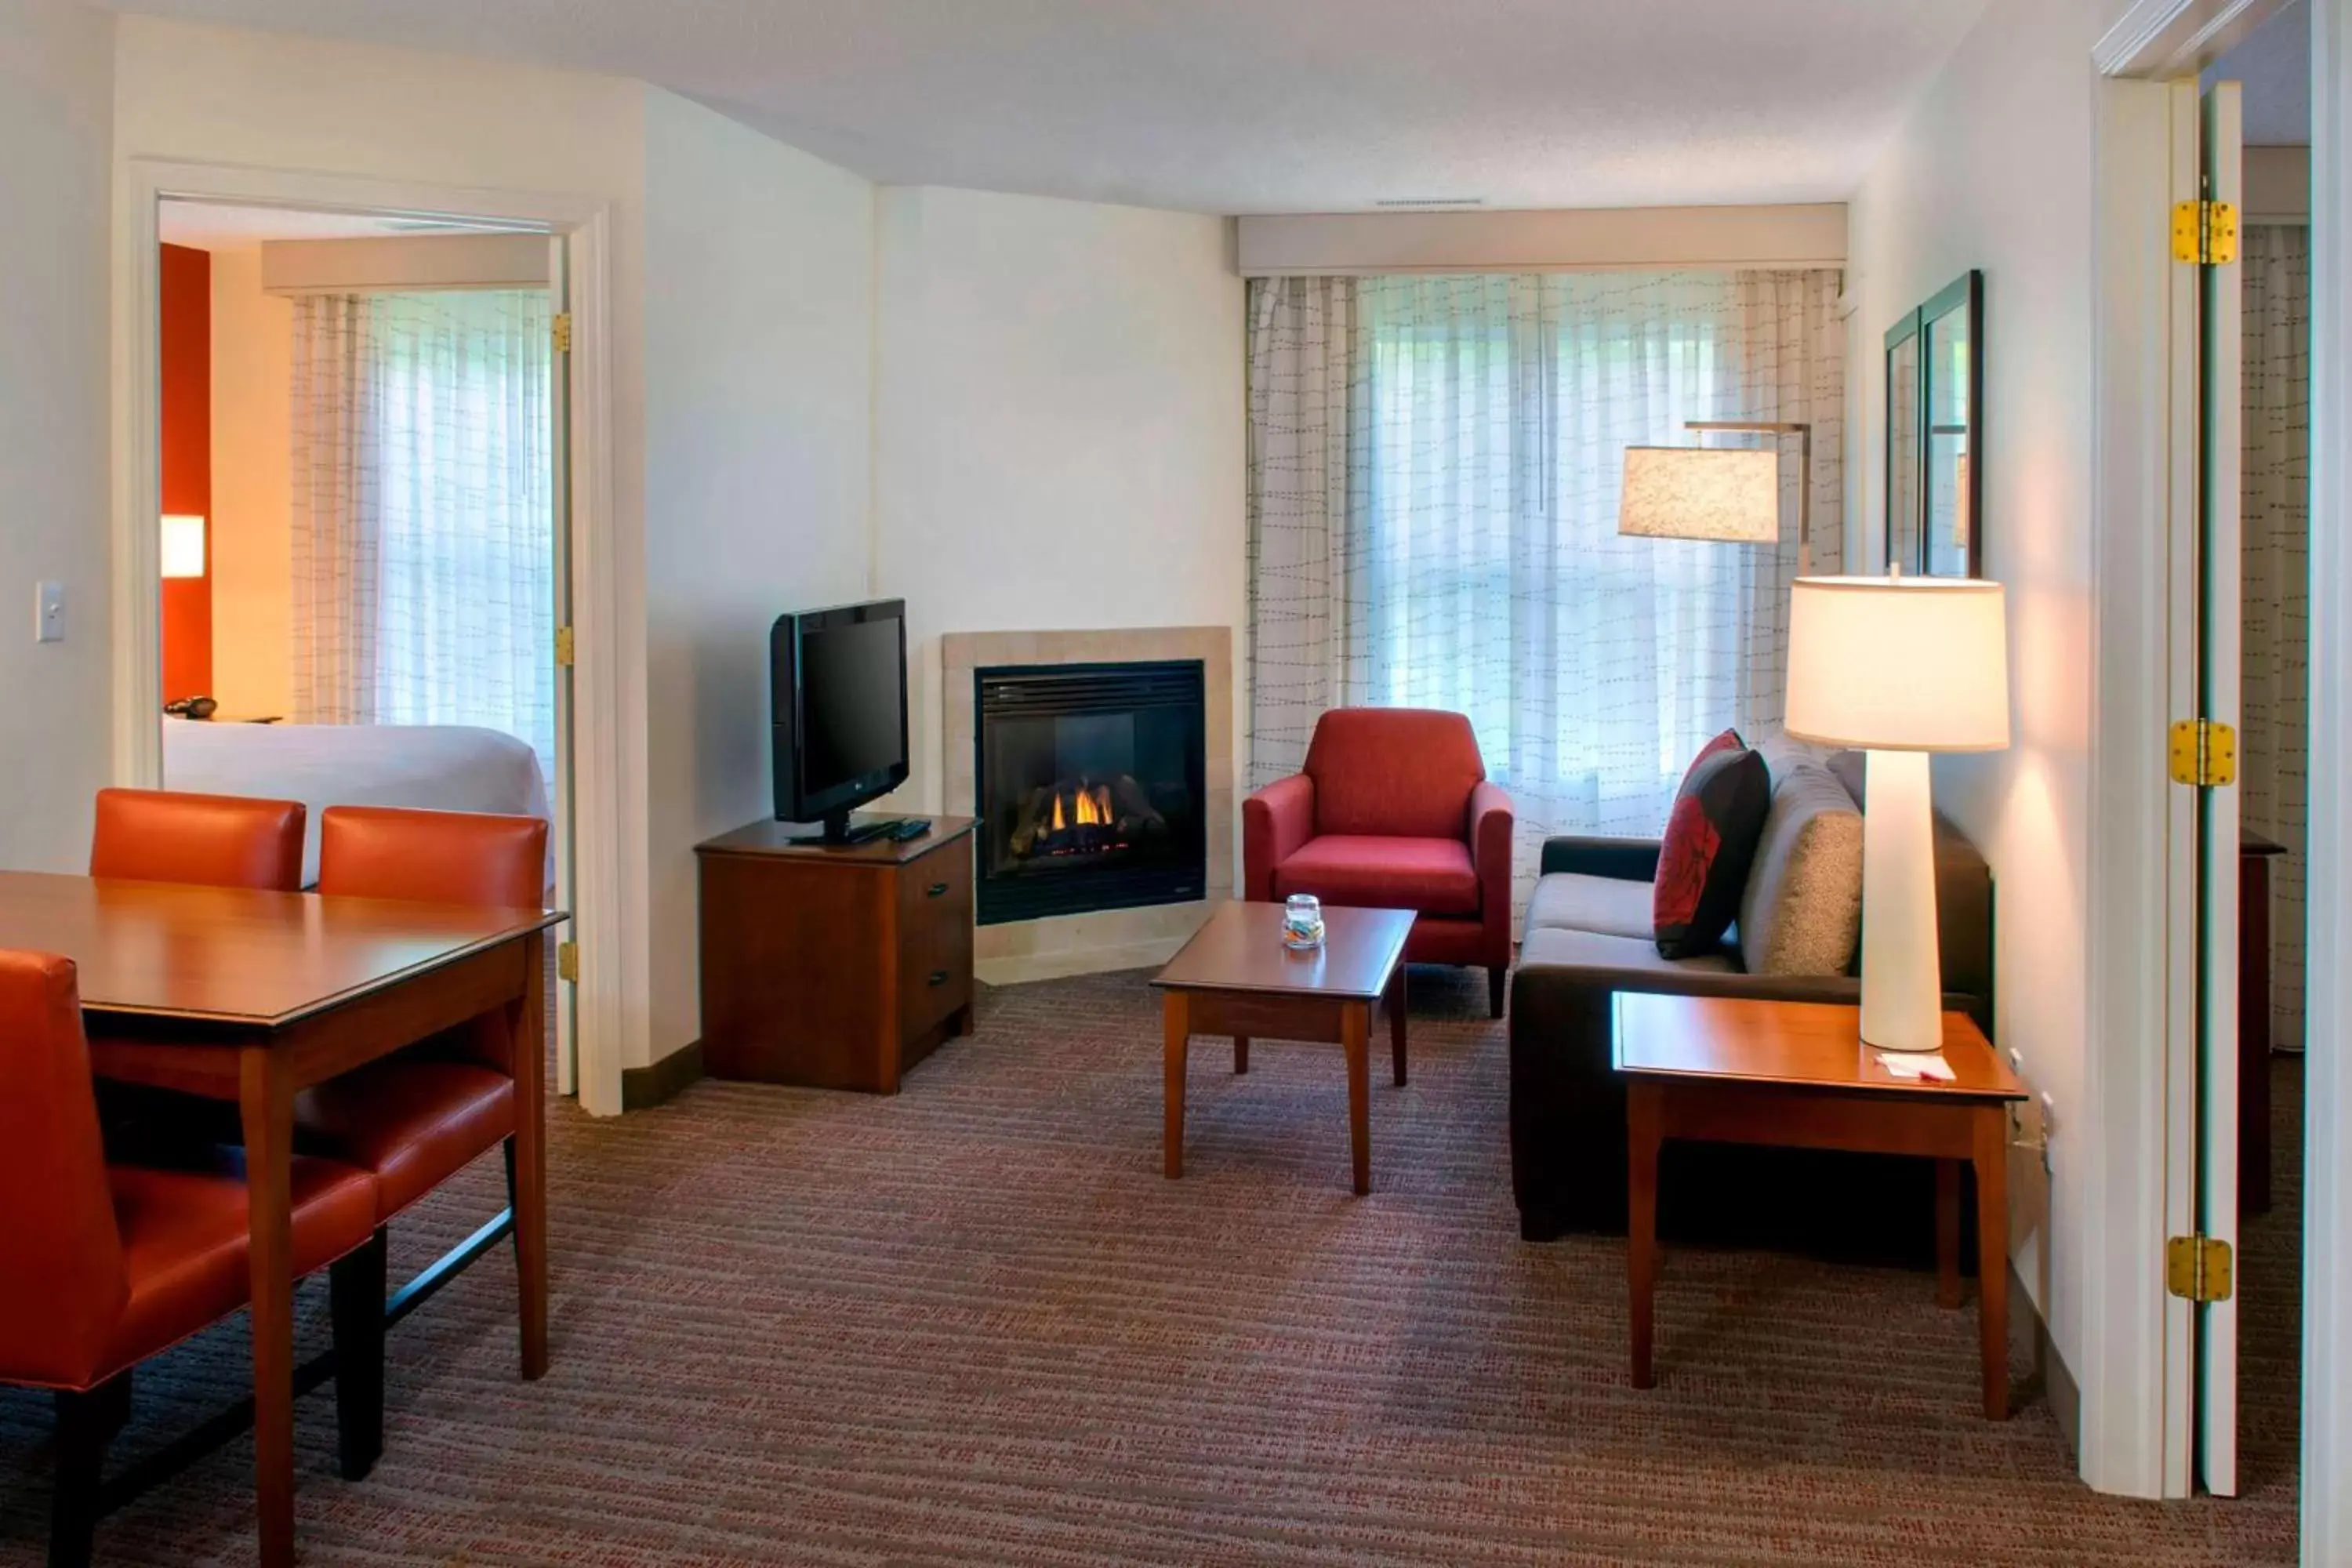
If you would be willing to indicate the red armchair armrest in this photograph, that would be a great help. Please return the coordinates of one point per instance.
(1490, 856)
(1275, 822)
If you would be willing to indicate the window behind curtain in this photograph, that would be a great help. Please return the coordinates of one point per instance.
(424, 542)
(1434, 473)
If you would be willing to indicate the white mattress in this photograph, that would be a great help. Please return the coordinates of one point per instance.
(432, 767)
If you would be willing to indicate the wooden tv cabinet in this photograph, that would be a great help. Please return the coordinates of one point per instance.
(833, 967)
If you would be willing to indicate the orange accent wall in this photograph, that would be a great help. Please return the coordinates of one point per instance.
(187, 457)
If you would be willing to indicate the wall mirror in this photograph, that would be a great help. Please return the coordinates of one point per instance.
(1905, 460)
(1935, 425)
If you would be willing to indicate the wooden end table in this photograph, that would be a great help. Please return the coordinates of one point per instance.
(1798, 1075)
(1235, 977)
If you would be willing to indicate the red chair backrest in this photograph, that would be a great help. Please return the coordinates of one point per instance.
(63, 1282)
(220, 840)
(1404, 771)
(433, 856)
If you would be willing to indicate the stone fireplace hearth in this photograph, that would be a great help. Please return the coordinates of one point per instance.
(1115, 786)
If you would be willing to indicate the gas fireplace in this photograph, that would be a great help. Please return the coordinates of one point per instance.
(1089, 788)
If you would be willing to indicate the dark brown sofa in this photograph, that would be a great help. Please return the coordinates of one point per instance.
(1586, 938)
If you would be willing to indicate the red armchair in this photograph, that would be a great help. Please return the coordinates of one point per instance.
(1393, 811)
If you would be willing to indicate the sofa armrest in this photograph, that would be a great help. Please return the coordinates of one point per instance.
(1620, 859)
(1277, 821)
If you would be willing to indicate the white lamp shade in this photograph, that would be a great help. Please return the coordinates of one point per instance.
(1730, 493)
(184, 546)
(1899, 663)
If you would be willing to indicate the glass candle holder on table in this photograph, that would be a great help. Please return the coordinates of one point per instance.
(1302, 922)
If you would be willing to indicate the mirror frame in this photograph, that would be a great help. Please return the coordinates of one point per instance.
(1964, 293)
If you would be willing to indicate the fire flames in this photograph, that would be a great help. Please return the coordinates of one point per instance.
(1089, 809)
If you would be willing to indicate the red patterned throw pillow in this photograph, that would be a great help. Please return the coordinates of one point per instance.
(1710, 841)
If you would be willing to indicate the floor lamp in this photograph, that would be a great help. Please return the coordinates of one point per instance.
(1900, 667)
(1727, 493)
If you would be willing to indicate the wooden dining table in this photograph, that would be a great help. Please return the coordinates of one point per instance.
(251, 998)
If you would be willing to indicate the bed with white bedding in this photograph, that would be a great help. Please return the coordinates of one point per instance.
(435, 767)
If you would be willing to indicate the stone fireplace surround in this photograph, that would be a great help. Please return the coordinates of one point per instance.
(1103, 939)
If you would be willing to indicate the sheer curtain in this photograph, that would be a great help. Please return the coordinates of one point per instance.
(423, 531)
(2275, 497)
(1435, 468)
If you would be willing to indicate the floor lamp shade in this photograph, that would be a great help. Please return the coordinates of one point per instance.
(1901, 668)
(1729, 493)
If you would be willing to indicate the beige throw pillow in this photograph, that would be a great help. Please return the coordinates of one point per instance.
(1801, 911)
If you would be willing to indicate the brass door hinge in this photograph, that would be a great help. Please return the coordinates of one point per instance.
(567, 961)
(2198, 1267)
(563, 646)
(2204, 754)
(559, 331)
(2205, 233)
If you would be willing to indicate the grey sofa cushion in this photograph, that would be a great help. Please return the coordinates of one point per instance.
(1801, 911)
(1613, 906)
(1602, 961)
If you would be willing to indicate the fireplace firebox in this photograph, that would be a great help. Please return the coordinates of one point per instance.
(1089, 788)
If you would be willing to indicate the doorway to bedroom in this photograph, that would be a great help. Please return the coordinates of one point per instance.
(363, 450)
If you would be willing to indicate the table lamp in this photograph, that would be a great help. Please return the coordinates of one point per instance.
(1899, 667)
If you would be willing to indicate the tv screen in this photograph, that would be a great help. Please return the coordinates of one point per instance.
(850, 703)
(840, 681)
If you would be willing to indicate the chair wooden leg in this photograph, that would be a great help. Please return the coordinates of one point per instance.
(86, 1422)
(1495, 980)
(355, 1304)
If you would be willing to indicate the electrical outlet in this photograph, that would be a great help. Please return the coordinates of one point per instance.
(49, 612)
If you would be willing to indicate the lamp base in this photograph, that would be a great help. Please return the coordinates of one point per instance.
(1902, 969)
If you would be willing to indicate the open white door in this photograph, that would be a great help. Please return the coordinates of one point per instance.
(2203, 1256)
(564, 1000)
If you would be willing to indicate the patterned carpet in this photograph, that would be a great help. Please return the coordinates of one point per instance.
(973, 1325)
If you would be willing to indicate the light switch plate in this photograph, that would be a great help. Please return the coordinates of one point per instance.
(49, 612)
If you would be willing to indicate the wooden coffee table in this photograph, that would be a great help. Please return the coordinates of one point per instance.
(1796, 1074)
(1235, 977)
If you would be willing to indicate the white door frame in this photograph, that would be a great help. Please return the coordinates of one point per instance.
(2123, 1383)
(2133, 1354)
(2328, 1075)
(599, 925)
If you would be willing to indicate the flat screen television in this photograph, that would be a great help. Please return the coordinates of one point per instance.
(838, 687)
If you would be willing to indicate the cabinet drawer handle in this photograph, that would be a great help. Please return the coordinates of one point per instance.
(936, 889)
(938, 977)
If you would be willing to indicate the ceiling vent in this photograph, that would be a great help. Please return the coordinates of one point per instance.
(1424, 203)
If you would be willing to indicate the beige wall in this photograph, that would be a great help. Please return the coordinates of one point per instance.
(759, 357)
(1994, 170)
(1060, 428)
(252, 425)
(56, 738)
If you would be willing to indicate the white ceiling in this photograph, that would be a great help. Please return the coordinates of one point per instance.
(1237, 106)
(206, 227)
(2274, 64)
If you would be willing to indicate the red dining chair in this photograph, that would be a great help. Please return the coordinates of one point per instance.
(215, 840)
(219, 840)
(419, 1116)
(103, 1265)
